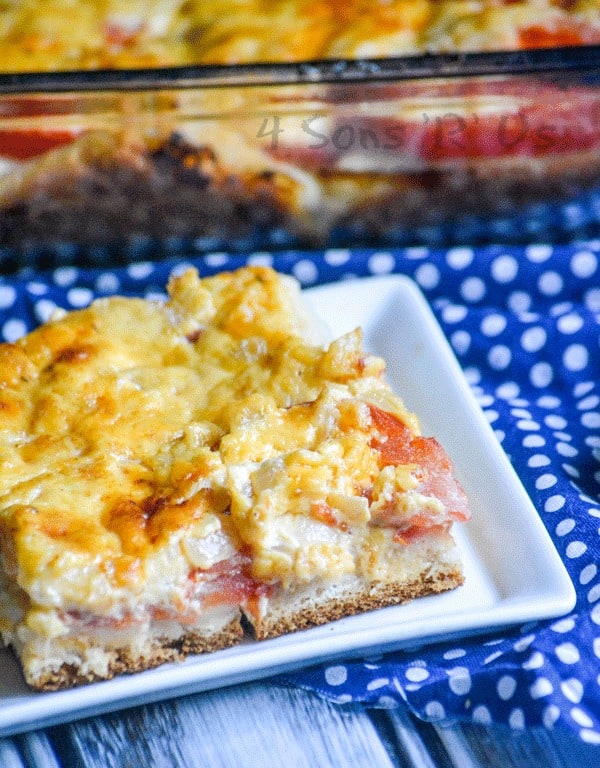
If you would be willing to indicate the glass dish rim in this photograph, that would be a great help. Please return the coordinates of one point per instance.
(330, 71)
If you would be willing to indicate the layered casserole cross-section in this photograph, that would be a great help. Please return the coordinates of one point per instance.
(170, 470)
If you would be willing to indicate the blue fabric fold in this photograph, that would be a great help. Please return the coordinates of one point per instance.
(524, 322)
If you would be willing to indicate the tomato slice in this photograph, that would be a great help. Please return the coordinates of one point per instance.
(28, 143)
(561, 35)
(399, 446)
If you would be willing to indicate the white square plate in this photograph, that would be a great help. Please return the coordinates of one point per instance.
(513, 572)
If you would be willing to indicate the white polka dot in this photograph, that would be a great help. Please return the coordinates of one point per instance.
(472, 374)
(563, 626)
(107, 282)
(540, 688)
(455, 653)
(575, 549)
(454, 313)
(519, 301)
(379, 682)
(538, 460)
(533, 441)
(571, 470)
(504, 268)
(595, 614)
(13, 329)
(337, 257)
(44, 308)
(336, 675)
(567, 653)
(37, 289)
(572, 689)
(593, 401)
(523, 643)
(508, 390)
(565, 527)
(461, 341)
(550, 283)
(459, 258)
(8, 296)
(588, 573)
(79, 297)
(381, 263)
(564, 449)
(516, 719)
(554, 503)
(548, 401)
(581, 718)
(591, 420)
(584, 264)
(216, 259)
(492, 657)
(434, 710)
(562, 435)
(590, 737)
(459, 680)
(545, 481)
(592, 299)
(482, 715)
(64, 276)
(306, 271)
(533, 339)
(416, 252)
(493, 325)
(506, 687)
(499, 357)
(575, 357)
(571, 323)
(535, 661)
(538, 253)
(473, 289)
(140, 270)
(527, 425)
(594, 594)
(561, 308)
(387, 702)
(260, 259)
(416, 674)
(583, 387)
(427, 276)
(550, 715)
(554, 421)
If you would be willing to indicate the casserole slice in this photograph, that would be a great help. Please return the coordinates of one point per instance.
(172, 471)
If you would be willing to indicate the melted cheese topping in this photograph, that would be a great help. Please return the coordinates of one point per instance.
(141, 441)
(44, 35)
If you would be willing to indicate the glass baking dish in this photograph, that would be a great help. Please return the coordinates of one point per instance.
(111, 166)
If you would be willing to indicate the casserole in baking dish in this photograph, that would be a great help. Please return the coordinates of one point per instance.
(40, 35)
(433, 148)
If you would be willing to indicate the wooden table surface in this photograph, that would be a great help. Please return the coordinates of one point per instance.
(261, 724)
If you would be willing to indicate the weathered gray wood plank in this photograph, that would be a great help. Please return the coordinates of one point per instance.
(37, 750)
(9, 754)
(247, 726)
(473, 746)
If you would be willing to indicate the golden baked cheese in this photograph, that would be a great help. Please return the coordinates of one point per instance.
(42, 35)
(164, 464)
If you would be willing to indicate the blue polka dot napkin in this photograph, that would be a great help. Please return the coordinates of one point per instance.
(524, 322)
